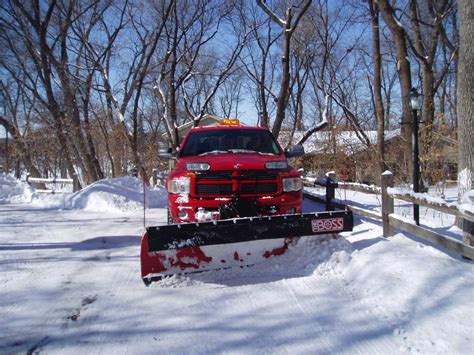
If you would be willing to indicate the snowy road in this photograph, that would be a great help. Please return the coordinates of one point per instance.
(70, 283)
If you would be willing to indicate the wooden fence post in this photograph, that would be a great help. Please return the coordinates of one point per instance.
(467, 226)
(331, 185)
(387, 203)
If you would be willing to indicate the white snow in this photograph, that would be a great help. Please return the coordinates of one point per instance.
(434, 200)
(70, 283)
(13, 190)
(467, 202)
(465, 181)
(120, 194)
(347, 141)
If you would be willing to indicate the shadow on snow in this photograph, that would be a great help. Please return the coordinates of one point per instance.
(97, 243)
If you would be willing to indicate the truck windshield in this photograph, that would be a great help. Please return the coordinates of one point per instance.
(230, 141)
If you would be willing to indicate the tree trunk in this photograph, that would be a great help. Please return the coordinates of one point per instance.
(288, 27)
(465, 102)
(22, 146)
(285, 77)
(377, 82)
(90, 141)
(404, 74)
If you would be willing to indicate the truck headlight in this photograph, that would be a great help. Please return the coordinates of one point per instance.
(276, 164)
(198, 166)
(292, 184)
(179, 185)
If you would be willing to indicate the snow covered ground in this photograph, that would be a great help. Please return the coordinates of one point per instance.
(70, 283)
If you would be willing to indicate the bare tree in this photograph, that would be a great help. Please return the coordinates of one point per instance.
(426, 36)
(231, 95)
(138, 70)
(288, 26)
(303, 58)
(259, 62)
(332, 75)
(113, 79)
(47, 48)
(191, 27)
(22, 145)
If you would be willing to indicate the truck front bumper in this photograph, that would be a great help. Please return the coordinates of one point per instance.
(186, 208)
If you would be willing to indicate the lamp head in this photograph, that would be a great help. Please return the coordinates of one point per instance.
(415, 100)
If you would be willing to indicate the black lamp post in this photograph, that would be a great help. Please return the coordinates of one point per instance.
(7, 160)
(415, 107)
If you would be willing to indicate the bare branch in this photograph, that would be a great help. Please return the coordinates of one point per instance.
(270, 13)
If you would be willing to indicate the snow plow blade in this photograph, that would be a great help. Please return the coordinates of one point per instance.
(194, 247)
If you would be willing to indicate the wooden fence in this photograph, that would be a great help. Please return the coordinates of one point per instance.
(42, 181)
(391, 221)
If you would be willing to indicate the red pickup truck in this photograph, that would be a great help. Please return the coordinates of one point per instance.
(231, 170)
(225, 176)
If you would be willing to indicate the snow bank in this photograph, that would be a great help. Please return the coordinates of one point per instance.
(13, 190)
(109, 195)
(119, 194)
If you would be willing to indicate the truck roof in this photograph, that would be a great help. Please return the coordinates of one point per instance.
(221, 127)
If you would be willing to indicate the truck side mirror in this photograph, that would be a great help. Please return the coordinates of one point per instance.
(166, 153)
(295, 151)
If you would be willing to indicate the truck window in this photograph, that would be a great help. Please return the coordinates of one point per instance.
(233, 141)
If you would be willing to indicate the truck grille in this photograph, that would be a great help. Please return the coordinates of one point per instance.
(216, 189)
(250, 182)
(257, 175)
(262, 188)
(214, 175)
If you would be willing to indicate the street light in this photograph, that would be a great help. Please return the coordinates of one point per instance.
(415, 107)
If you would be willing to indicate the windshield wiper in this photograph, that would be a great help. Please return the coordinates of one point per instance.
(247, 151)
(214, 152)
(242, 151)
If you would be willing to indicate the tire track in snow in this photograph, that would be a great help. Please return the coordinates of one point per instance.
(59, 299)
(347, 313)
(291, 288)
(112, 301)
(36, 348)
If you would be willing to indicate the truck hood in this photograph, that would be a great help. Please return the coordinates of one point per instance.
(229, 161)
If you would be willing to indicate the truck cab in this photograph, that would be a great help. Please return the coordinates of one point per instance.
(231, 171)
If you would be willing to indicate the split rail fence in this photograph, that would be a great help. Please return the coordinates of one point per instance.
(392, 221)
(53, 181)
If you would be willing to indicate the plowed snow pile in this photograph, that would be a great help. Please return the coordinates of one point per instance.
(119, 194)
(13, 190)
(109, 195)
